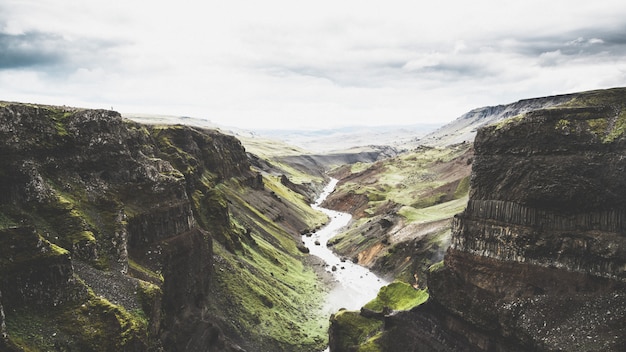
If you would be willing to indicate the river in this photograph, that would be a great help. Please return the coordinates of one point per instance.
(355, 285)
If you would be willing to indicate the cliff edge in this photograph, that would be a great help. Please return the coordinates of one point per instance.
(537, 260)
(118, 236)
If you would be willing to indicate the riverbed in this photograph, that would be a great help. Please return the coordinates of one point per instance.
(355, 285)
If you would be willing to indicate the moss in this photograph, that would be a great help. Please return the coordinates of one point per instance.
(268, 291)
(436, 267)
(351, 330)
(435, 212)
(372, 344)
(462, 189)
(376, 197)
(397, 296)
(598, 126)
(403, 179)
(562, 124)
(614, 98)
(429, 201)
(157, 277)
(95, 325)
(509, 121)
(312, 217)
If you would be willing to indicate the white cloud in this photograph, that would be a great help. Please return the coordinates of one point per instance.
(300, 63)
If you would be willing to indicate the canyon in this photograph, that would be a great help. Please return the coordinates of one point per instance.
(537, 260)
(118, 235)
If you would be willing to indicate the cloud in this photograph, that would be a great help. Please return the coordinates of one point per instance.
(298, 63)
(29, 49)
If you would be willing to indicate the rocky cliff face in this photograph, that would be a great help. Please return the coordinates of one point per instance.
(87, 187)
(538, 258)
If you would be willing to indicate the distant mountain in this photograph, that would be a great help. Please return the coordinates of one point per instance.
(464, 128)
(345, 138)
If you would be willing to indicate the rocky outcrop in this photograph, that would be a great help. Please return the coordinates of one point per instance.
(35, 272)
(87, 185)
(538, 258)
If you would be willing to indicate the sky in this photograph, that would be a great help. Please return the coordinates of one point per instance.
(307, 64)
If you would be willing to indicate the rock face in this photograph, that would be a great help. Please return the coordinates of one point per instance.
(3, 327)
(120, 197)
(34, 271)
(538, 258)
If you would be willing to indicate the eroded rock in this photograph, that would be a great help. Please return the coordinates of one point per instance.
(538, 258)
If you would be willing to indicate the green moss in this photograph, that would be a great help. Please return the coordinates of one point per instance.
(312, 217)
(435, 212)
(562, 124)
(462, 189)
(95, 325)
(509, 121)
(397, 296)
(133, 265)
(372, 344)
(436, 267)
(268, 291)
(353, 330)
(598, 126)
(376, 197)
(429, 201)
(59, 118)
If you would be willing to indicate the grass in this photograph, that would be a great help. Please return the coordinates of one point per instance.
(157, 277)
(404, 178)
(435, 212)
(397, 296)
(264, 286)
(312, 217)
(272, 296)
(355, 331)
(95, 325)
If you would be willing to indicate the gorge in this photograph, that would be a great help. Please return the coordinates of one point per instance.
(116, 235)
(537, 260)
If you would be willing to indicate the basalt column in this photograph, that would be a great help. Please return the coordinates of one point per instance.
(538, 258)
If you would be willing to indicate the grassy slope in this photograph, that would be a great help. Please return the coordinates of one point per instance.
(416, 191)
(261, 285)
(271, 150)
(262, 290)
(362, 334)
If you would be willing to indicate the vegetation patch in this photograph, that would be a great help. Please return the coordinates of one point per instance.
(354, 330)
(436, 267)
(276, 299)
(397, 296)
(95, 325)
(435, 212)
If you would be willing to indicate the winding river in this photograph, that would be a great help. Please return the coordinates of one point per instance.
(355, 285)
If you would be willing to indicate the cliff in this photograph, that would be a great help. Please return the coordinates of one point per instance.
(114, 235)
(537, 260)
(463, 129)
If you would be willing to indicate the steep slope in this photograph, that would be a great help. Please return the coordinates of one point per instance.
(121, 236)
(402, 208)
(537, 260)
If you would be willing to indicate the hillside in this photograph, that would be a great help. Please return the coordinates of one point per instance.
(463, 129)
(120, 236)
(402, 208)
(536, 258)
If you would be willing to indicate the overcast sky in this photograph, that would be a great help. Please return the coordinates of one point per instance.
(307, 63)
